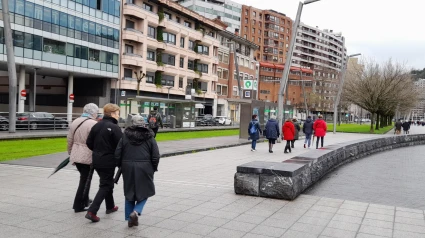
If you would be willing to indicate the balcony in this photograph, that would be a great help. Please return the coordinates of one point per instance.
(132, 35)
(132, 59)
(134, 10)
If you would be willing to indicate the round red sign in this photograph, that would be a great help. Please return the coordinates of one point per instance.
(71, 96)
(23, 93)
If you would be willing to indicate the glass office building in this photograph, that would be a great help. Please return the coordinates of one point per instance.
(63, 42)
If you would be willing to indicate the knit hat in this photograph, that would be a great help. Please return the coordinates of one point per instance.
(138, 121)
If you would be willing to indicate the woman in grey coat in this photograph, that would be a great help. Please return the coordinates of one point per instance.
(272, 132)
(297, 131)
(138, 156)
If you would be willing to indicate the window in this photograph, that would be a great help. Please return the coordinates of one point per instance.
(191, 45)
(151, 55)
(203, 49)
(220, 57)
(226, 58)
(167, 80)
(128, 73)
(151, 32)
(259, 39)
(182, 42)
(180, 82)
(148, 7)
(128, 49)
(246, 29)
(203, 68)
(190, 64)
(129, 24)
(225, 74)
(169, 38)
(94, 55)
(181, 62)
(52, 46)
(244, 36)
(254, 14)
(246, 20)
(253, 30)
(178, 19)
(169, 59)
(150, 77)
(187, 24)
(167, 15)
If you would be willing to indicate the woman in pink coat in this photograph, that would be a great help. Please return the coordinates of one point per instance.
(80, 154)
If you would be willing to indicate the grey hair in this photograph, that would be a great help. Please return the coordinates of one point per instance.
(273, 117)
(138, 121)
(91, 109)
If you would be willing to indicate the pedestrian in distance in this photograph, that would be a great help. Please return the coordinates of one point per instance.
(138, 156)
(79, 154)
(155, 120)
(406, 127)
(297, 131)
(308, 131)
(288, 130)
(320, 129)
(103, 140)
(254, 131)
(272, 132)
(398, 126)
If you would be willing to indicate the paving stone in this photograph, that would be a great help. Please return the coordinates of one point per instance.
(250, 219)
(351, 212)
(410, 228)
(324, 209)
(410, 215)
(376, 231)
(314, 221)
(329, 203)
(224, 214)
(172, 224)
(212, 221)
(363, 235)
(405, 234)
(163, 213)
(251, 235)
(379, 217)
(268, 231)
(403, 209)
(279, 223)
(410, 221)
(199, 229)
(180, 234)
(297, 234)
(311, 229)
(226, 233)
(344, 225)
(149, 220)
(382, 211)
(379, 206)
(259, 212)
(319, 214)
(353, 207)
(378, 223)
(349, 219)
(332, 232)
(239, 226)
(154, 232)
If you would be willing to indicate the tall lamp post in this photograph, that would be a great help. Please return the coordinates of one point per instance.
(338, 96)
(284, 80)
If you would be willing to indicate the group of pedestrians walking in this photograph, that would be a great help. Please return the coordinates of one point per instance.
(290, 131)
(101, 147)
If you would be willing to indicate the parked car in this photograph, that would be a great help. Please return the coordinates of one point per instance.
(206, 120)
(40, 120)
(4, 123)
(224, 121)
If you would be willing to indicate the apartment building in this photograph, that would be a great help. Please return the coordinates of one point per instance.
(323, 52)
(174, 48)
(61, 48)
(229, 98)
(228, 11)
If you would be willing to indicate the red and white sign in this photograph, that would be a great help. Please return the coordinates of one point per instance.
(71, 98)
(23, 94)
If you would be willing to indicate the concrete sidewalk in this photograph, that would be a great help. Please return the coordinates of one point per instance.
(195, 198)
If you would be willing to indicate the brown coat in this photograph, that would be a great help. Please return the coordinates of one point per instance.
(77, 148)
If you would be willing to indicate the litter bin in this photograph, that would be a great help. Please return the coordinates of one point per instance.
(172, 122)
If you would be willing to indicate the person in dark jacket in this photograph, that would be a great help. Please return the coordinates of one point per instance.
(103, 140)
(308, 131)
(272, 132)
(254, 131)
(288, 131)
(406, 127)
(138, 156)
(297, 131)
(155, 120)
(398, 126)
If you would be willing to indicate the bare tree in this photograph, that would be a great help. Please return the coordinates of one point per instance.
(380, 89)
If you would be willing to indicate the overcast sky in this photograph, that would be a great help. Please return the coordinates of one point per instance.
(378, 29)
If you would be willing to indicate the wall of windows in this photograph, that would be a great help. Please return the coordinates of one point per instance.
(46, 19)
(39, 48)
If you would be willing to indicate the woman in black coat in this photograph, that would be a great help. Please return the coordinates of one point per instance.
(138, 156)
(272, 132)
(254, 131)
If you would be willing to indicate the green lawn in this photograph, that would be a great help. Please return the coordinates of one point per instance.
(17, 149)
(356, 128)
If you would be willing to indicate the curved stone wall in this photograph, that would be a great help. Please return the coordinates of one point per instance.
(288, 179)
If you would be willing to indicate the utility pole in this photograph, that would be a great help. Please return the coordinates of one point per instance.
(11, 67)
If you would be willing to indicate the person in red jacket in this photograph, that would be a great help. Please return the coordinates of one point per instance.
(288, 131)
(320, 128)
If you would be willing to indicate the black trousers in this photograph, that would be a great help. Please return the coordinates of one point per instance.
(106, 189)
(317, 142)
(155, 130)
(292, 143)
(79, 201)
(288, 145)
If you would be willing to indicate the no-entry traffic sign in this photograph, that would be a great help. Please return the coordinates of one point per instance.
(23, 93)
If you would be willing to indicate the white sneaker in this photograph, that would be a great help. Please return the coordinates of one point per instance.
(253, 150)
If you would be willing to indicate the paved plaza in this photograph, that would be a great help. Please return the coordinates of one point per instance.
(195, 198)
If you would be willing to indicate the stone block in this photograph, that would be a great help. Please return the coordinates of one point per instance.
(247, 184)
(271, 168)
(275, 186)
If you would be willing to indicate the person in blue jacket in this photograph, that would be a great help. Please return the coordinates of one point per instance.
(272, 132)
(254, 131)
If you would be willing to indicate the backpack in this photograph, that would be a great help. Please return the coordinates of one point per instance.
(253, 128)
(152, 121)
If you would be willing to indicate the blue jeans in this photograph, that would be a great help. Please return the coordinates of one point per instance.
(307, 139)
(253, 144)
(131, 206)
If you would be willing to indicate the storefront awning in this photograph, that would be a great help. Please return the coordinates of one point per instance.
(267, 65)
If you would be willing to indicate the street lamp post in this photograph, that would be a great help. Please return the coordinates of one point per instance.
(341, 84)
(284, 80)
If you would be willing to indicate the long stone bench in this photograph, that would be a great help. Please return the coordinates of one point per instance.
(288, 179)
